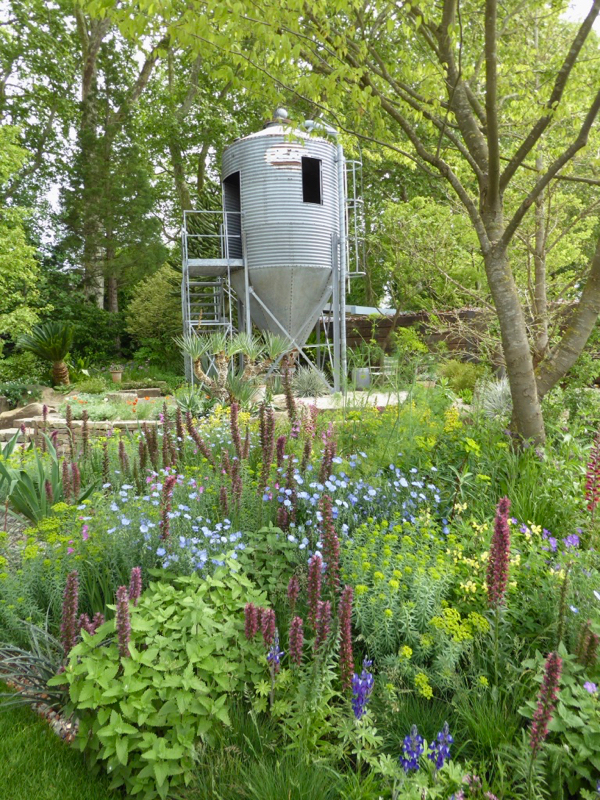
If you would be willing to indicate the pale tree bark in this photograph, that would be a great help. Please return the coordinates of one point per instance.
(91, 34)
(96, 146)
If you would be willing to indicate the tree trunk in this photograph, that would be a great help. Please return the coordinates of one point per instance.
(527, 412)
(574, 339)
(60, 374)
(113, 296)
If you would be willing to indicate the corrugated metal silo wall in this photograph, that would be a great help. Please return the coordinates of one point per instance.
(288, 241)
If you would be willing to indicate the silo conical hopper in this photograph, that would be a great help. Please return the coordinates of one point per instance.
(286, 184)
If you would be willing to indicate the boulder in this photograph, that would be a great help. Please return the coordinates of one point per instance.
(8, 418)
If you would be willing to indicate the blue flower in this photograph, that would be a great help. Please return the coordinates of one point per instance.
(362, 686)
(440, 748)
(161, 551)
(412, 749)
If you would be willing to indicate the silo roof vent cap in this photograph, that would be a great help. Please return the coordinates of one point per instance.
(280, 117)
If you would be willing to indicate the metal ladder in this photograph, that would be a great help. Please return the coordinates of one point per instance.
(207, 297)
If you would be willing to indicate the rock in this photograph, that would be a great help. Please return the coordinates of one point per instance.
(4, 404)
(8, 418)
(152, 392)
(124, 395)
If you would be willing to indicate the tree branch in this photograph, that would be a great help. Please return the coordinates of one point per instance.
(491, 101)
(140, 84)
(555, 97)
(552, 170)
(582, 322)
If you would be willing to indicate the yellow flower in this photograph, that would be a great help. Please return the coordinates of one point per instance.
(483, 680)
(361, 589)
(388, 613)
(405, 652)
(423, 685)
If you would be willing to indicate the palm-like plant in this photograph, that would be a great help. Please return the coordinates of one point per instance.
(51, 342)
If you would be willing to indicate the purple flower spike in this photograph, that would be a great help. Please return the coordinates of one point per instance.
(69, 626)
(412, 749)
(135, 585)
(440, 748)
(274, 654)
(362, 686)
(123, 626)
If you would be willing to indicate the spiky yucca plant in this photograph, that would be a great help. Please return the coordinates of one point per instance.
(51, 342)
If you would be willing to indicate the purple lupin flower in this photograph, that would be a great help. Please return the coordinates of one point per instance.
(267, 622)
(497, 571)
(362, 686)
(412, 750)
(69, 627)
(345, 623)
(545, 703)
(135, 585)
(293, 591)
(274, 654)
(315, 566)
(251, 621)
(323, 624)
(122, 620)
(296, 640)
(440, 748)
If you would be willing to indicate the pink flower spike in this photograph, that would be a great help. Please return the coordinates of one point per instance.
(84, 533)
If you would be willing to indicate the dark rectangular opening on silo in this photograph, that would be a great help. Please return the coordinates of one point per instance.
(233, 206)
(311, 180)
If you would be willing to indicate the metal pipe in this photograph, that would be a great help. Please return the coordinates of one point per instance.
(335, 309)
(342, 264)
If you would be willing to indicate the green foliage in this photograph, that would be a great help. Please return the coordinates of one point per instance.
(18, 393)
(154, 314)
(193, 400)
(24, 368)
(462, 376)
(19, 269)
(32, 494)
(403, 576)
(573, 762)
(309, 382)
(144, 715)
(50, 341)
(31, 668)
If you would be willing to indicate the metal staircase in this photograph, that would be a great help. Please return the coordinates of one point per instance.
(208, 300)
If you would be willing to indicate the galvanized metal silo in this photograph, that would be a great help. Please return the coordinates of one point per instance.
(288, 186)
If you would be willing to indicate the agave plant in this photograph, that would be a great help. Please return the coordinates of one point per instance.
(276, 346)
(310, 382)
(51, 342)
(28, 670)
